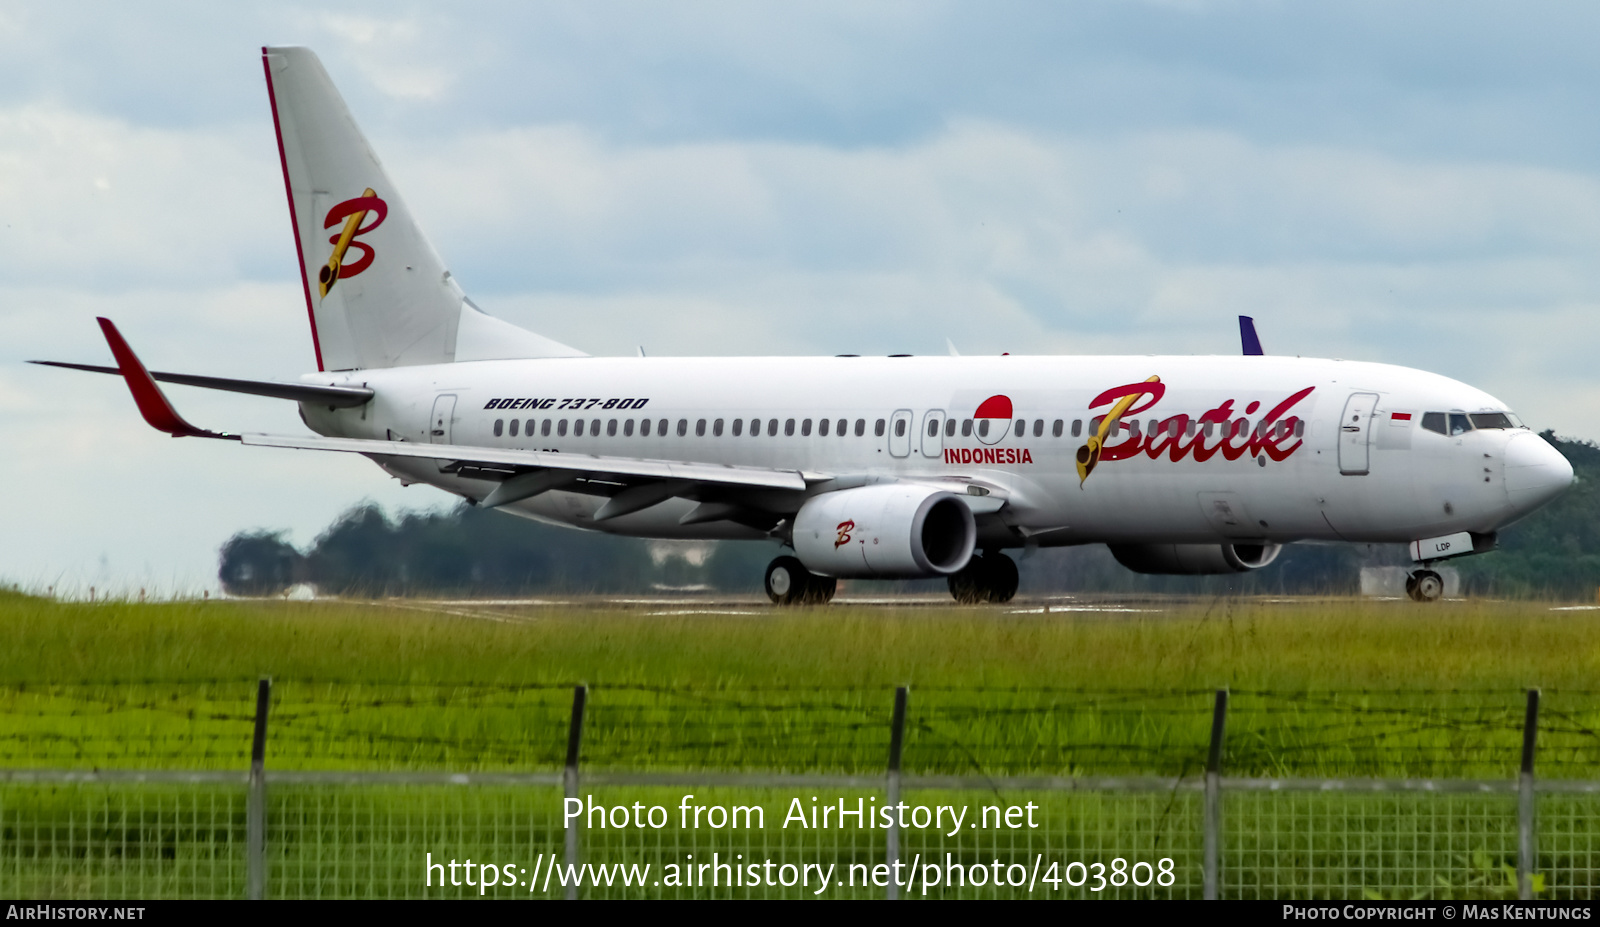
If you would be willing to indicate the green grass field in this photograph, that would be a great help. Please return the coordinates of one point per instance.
(1339, 687)
(1319, 688)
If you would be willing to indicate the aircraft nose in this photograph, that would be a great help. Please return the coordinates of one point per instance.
(1535, 472)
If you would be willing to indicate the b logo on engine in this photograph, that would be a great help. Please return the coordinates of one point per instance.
(845, 527)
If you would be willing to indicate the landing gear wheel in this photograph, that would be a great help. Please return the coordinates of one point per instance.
(991, 578)
(1003, 578)
(969, 585)
(788, 582)
(1425, 586)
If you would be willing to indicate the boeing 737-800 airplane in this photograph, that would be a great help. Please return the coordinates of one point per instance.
(864, 466)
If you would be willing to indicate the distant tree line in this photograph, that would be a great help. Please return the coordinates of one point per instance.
(471, 551)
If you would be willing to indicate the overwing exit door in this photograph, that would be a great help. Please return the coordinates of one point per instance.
(444, 413)
(933, 433)
(441, 422)
(1355, 433)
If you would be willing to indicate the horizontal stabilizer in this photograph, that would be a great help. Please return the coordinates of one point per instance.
(339, 396)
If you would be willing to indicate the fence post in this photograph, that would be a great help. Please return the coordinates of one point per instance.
(1213, 801)
(570, 779)
(1527, 847)
(256, 801)
(897, 736)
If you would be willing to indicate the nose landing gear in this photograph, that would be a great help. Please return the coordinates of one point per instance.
(790, 583)
(988, 578)
(1425, 586)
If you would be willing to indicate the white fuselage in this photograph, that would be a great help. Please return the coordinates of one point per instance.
(1326, 466)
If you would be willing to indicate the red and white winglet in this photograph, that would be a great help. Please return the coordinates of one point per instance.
(153, 404)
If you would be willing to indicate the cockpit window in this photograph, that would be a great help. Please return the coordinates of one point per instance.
(1459, 425)
(1434, 421)
(1491, 420)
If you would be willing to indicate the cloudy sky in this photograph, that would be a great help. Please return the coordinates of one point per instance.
(1416, 183)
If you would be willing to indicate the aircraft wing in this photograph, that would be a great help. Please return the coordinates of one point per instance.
(509, 459)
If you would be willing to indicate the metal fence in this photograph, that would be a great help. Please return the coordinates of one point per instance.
(1082, 795)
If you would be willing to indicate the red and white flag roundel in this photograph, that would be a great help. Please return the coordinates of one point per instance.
(993, 419)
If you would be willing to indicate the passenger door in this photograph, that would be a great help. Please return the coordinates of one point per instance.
(900, 434)
(933, 433)
(1355, 432)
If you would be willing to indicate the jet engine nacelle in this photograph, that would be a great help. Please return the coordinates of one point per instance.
(892, 530)
(1191, 559)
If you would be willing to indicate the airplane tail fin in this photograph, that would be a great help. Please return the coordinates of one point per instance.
(377, 293)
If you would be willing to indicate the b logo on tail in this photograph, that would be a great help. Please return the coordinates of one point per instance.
(353, 212)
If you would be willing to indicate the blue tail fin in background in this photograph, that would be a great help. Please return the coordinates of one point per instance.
(1247, 336)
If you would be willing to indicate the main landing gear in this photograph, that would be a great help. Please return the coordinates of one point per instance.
(991, 577)
(790, 583)
(1425, 586)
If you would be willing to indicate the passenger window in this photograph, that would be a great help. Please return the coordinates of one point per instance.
(1077, 428)
(683, 427)
(577, 428)
(1479, 420)
(788, 428)
(561, 429)
(1055, 429)
(544, 428)
(822, 427)
(966, 428)
(644, 428)
(805, 428)
(861, 427)
(1038, 428)
(716, 428)
(1193, 427)
(738, 427)
(841, 428)
(611, 428)
(514, 424)
(627, 428)
(1300, 428)
(950, 428)
(877, 429)
(499, 426)
(1022, 427)
(528, 428)
(1459, 425)
(900, 428)
(983, 428)
(700, 428)
(933, 428)
(1132, 427)
(772, 428)
(1210, 429)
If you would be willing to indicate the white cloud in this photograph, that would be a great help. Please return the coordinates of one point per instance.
(89, 198)
(390, 52)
